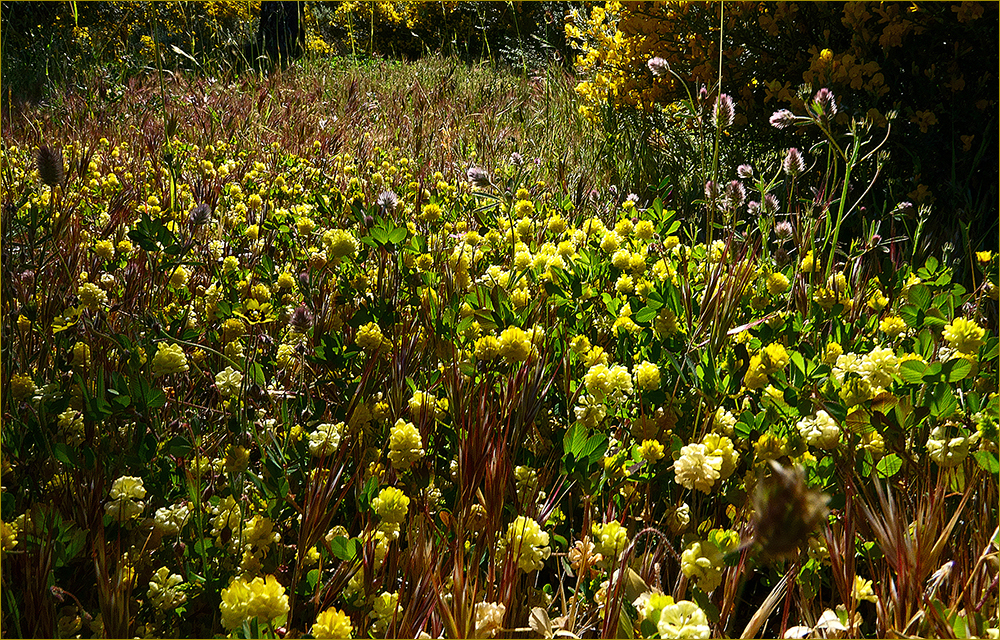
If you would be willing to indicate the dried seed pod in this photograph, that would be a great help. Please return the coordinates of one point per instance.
(786, 511)
(50, 166)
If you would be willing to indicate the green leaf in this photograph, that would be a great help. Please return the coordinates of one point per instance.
(942, 401)
(147, 448)
(60, 451)
(645, 314)
(934, 318)
(595, 447)
(657, 207)
(156, 399)
(648, 628)
(798, 361)
(920, 295)
(911, 315)
(912, 371)
(925, 344)
(742, 430)
(988, 461)
(178, 446)
(257, 374)
(575, 439)
(933, 372)
(825, 468)
(347, 549)
(711, 611)
(397, 235)
(312, 578)
(992, 349)
(956, 369)
(119, 401)
(889, 466)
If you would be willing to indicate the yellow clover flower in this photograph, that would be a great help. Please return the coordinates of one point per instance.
(405, 446)
(527, 543)
(515, 346)
(169, 359)
(391, 505)
(965, 336)
(651, 450)
(702, 562)
(695, 469)
(647, 376)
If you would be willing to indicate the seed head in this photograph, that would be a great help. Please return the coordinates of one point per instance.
(782, 119)
(301, 319)
(786, 511)
(711, 191)
(770, 203)
(387, 201)
(735, 194)
(50, 166)
(478, 177)
(200, 215)
(783, 230)
(824, 103)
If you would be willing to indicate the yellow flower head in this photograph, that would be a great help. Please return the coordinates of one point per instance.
(892, 326)
(647, 376)
(169, 359)
(527, 544)
(965, 336)
(405, 445)
(332, 623)
(651, 450)
(391, 505)
(515, 346)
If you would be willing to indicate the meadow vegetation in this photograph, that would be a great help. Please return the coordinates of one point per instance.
(491, 341)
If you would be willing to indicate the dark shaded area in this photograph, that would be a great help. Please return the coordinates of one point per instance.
(520, 34)
(280, 32)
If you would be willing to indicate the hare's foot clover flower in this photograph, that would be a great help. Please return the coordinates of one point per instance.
(786, 511)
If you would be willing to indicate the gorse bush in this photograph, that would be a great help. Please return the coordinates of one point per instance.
(929, 64)
(278, 375)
